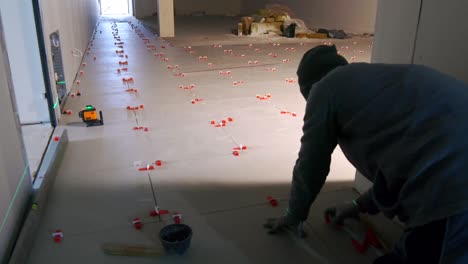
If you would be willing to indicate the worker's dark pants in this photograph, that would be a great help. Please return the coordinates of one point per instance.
(444, 241)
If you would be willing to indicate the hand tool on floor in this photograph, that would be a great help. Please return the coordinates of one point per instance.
(362, 236)
(156, 208)
(89, 115)
(131, 250)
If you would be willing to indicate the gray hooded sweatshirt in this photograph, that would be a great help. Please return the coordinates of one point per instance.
(405, 127)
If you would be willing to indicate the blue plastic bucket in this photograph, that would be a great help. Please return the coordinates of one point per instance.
(176, 238)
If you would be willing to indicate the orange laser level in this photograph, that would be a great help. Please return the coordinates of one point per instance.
(90, 116)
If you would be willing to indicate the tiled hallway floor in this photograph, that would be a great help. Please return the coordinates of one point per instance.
(99, 189)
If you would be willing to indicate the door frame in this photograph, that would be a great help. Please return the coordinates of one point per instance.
(45, 68)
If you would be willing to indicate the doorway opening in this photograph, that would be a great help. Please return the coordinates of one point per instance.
(115, 7)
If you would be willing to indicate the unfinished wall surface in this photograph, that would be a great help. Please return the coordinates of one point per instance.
(145, 8)
(75, 21)
(357, 16)
(15, 184)
(24, 60)
(187, 7)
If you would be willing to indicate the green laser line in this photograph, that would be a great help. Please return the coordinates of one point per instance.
(56, 103)
(14, 198)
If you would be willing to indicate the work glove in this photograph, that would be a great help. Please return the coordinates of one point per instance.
(285, 223)
(336, 215)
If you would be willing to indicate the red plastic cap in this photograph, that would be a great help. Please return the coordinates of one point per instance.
(177, 218)
(272, 201)
(58, 236)
(158, 163)
(57, 239)
(230, 119)
(56, 138)
(235, 153)
(137, 223)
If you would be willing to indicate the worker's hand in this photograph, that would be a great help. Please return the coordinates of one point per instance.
(336, 215)
(285, 223)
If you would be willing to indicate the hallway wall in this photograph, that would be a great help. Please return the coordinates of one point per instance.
(75, 20)
(15, 185)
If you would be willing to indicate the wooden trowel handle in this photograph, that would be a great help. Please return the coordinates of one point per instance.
(131, 250)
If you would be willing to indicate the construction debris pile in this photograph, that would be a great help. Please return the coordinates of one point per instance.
(276, 19)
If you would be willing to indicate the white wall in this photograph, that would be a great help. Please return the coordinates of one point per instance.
(396, 26)
(24, 58)
(355, 16)
(13, 168)
(75, 20)
(438, 40)
(442, 37)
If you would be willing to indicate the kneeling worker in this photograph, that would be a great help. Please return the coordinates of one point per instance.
(405, 127)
